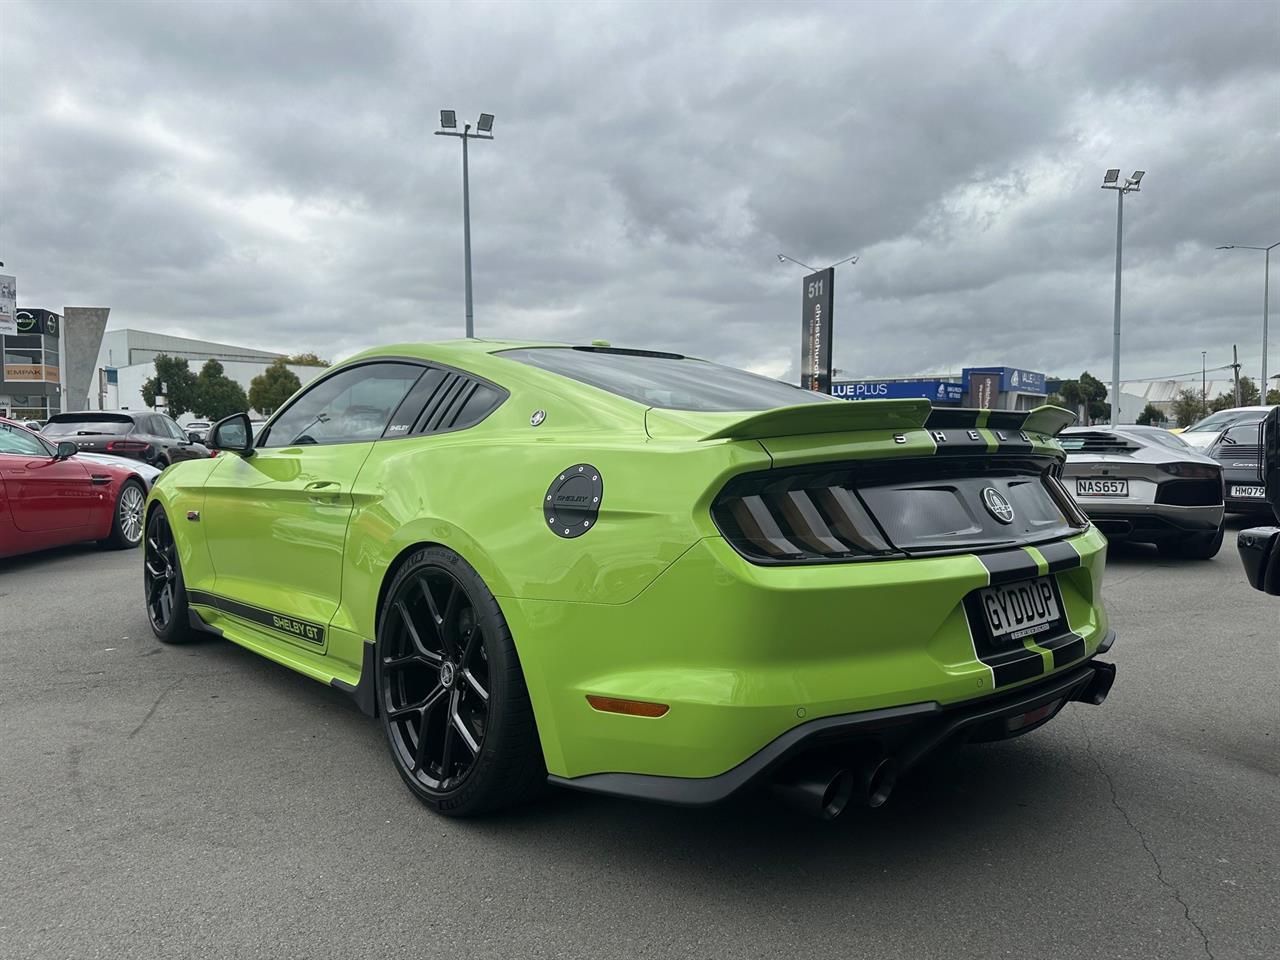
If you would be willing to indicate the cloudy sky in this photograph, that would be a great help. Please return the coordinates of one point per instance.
(266, 174)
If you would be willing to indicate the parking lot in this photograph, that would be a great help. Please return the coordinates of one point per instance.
(203, 802)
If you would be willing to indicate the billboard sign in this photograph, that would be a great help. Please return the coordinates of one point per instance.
(1021, 381)
(815, 336)
(39, 372)
(937, 391)
(45, 322)
(984, 390)
(8, 304)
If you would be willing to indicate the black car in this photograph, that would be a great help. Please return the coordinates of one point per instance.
(142, 435)
(1238, 450)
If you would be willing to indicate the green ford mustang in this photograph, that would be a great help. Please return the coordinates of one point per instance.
(638, 573)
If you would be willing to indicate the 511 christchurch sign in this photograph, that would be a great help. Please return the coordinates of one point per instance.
(815, 345)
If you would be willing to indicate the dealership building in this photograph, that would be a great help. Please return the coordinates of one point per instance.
(990, 388)
(126, 360)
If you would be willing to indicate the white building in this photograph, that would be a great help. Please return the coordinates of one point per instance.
(126, 360)
(1136, 394)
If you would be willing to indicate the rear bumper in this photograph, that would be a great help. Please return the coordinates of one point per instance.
(1151, 521)
(741, 654)
(907, 734)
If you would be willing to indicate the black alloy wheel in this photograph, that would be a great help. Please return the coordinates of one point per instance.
(162, 580)
(436, 695)
(451, 694)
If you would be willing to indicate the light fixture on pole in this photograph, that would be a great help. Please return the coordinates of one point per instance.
(1111, 181)
(484, 131)
(1266, 298)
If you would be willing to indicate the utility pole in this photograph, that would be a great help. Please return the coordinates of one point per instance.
(1266, 302)
(1111, 181)
(1204, 386)
(1235, 367)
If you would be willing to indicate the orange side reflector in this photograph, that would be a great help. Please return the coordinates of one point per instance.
(632, 708)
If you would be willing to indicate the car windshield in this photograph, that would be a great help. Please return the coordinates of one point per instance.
(665, 379)
(71, 425)
(1217, 421)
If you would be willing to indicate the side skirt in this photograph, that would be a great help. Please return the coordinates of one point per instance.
(362, 692)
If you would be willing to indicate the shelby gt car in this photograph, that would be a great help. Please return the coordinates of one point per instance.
(638, 573)
(1146, 485)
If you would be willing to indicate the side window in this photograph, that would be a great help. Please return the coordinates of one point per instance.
(1242, 433)
(442, 401)
(21, 441)
(351, 405)
(172, 429)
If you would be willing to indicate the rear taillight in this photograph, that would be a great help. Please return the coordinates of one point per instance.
(1192, 471)
(796, 518)
(127, 446)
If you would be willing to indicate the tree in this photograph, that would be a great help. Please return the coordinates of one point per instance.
(1150, 415)
(217, 395)
(307, 359)
(1188, 407)
(179, 385)
(271, 388)
(1248, 397)
(1273, 396)
(1088, 393)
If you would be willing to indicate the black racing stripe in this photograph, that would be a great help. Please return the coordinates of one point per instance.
(1066, 647)
(1009, 565)
(1009, 661)
(1061, 556)
(284, 624)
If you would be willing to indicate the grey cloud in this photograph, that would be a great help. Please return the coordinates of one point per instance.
(266, 173)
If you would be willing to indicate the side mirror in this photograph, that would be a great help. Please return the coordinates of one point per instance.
(232, 433)
(66, 450)
(1258, 547)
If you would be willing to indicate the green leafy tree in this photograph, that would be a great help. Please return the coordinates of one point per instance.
(1188, 407)
(217, 395)
(1273, 396)
(1249, 397)
(1150, 415)
(308, 359)
(271, 388)
(179, 385)
(1087, 393)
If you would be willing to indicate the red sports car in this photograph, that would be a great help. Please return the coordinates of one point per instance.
(48, 497)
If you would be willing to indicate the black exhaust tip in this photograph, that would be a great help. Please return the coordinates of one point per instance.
(876, 781)
(1095, 692)
(821, 791)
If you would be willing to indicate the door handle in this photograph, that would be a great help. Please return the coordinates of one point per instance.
(323, 491)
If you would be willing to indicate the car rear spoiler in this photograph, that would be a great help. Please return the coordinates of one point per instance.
(898, 415)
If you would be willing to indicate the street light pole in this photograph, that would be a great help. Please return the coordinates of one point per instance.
(1266, 300)
(1111, 181)
(484, 128)
(1204, 385)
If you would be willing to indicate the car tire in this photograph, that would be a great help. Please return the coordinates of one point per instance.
(127, 518)
(164, 591)
(1199, 546)
(451, 694)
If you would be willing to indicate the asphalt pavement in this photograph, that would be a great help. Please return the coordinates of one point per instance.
(203, 802)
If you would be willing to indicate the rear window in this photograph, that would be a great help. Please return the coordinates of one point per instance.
(1243, 433)
(666, 380)
(72, 424)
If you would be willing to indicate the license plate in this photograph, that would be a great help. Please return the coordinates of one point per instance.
(1102, 488)
(1248, 492)
(1022, 609)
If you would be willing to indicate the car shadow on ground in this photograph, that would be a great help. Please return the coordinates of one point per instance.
(49, 560)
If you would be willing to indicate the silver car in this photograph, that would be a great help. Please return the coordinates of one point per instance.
(1146, 485)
